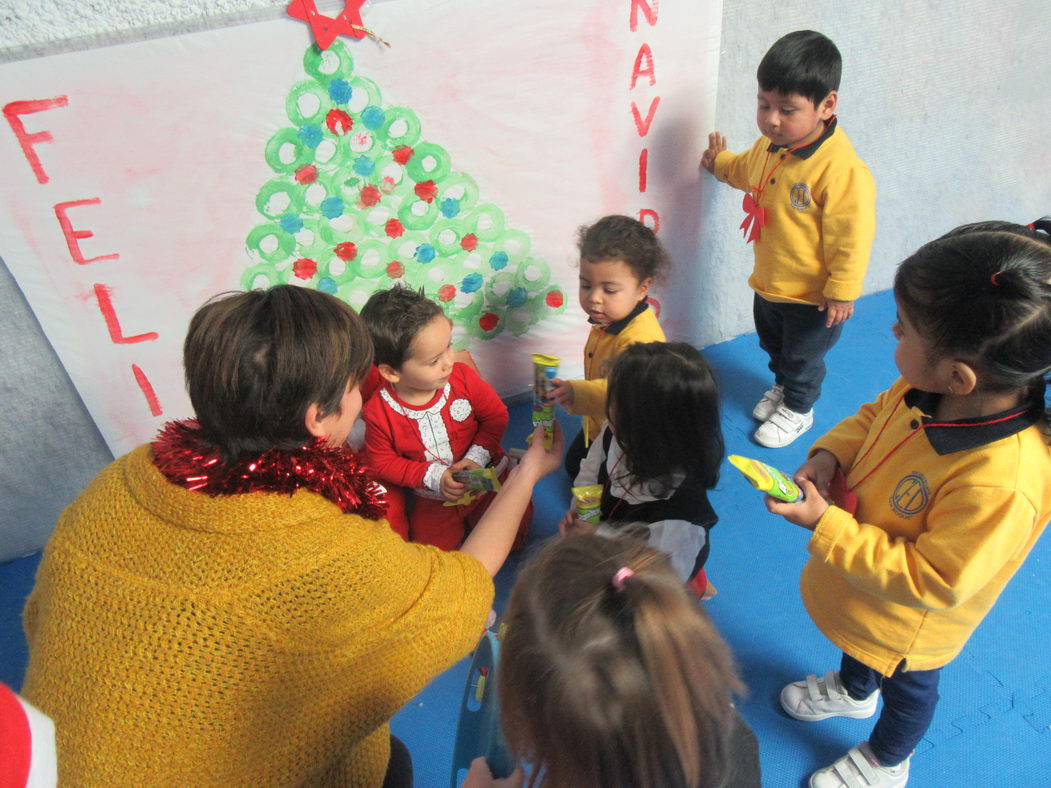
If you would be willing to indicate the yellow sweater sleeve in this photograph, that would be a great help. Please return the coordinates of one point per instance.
(848, 225)
(972, 532)
(734, 168)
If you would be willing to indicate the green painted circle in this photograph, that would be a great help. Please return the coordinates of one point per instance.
(496, 290)
(272, 153)
(532, 274)
(286, 244)
(416, 165)
(371, 266)
(450, 246)
(521, 318)
(315, 57)
(264, 270)
(459, 182)
(312, 88)
(412, 127)
(414, 222)
(364, 93)
(515, 244)
(279, 186)
(478, 217)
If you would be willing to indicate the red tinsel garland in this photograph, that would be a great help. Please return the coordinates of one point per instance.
(184, 459)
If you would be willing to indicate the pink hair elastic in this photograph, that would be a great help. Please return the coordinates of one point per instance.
(621, 575)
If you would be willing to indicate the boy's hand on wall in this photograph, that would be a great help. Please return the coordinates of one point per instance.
(562, 393)
(838, 311)
(805, 513)
(716, 145)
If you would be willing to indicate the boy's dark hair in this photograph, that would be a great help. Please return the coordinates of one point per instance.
(619, 237)
(394, 318)
(804, 62)
(255, 361)
(982, 293)
(663, 404)
(614, 686)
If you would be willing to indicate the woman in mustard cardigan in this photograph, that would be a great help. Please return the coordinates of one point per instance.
(226, 605)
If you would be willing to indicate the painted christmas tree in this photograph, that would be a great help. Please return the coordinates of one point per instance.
(360, 202)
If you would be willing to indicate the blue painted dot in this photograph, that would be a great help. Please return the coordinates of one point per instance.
(363, 165)
(498, 260)
(340, 91)
(516, 297)
(425, 253)
(327, 285)
(373, 117)
(311, 136)
(450, 207)
(291, 223)
(332, 207)
(471, 283)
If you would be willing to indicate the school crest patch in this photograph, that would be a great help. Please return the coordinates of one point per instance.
(800, 196)
(910, 495)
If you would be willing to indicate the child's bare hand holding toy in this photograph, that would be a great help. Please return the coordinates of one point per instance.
(716, 145)
(804, 513)
(819, 469)
(562, 393)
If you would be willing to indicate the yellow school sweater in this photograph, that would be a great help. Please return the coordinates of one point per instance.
(942, 524)
(258, 639)
(604, 344)
(821, 217)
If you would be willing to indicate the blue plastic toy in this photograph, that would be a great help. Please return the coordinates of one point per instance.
(479, 730)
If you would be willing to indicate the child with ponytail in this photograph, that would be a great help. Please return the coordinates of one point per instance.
(612, 676)
(952, 477)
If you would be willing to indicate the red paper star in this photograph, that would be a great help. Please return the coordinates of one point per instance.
(325, 28)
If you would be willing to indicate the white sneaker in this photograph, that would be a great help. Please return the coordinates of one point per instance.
(783, 427)
(773, 397)
(816, 699)
(858, 769)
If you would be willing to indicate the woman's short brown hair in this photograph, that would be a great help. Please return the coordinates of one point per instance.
(603, 685)
(255, 361)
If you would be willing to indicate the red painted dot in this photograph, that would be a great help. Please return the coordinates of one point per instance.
(402, 154)
(426, 190)
(346, 251)
(395, 270)
(306, 174)
(370, 195)
(555, 299)
(304, 268)
(469, 242)
(488, 321)
(394, 228)
(446, 292)
(338, 122)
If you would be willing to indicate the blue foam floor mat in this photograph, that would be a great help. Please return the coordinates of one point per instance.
(993, 724)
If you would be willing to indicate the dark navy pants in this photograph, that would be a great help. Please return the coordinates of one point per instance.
(909, 698)
(796, 339)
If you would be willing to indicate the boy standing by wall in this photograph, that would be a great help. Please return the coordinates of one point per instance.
(810, 206)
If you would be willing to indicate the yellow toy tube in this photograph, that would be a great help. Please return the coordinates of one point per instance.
(767, 479)
(588, 498)
(545, 370)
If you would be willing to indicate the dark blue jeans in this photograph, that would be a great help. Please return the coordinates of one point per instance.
(796, 339)
(909, 698)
